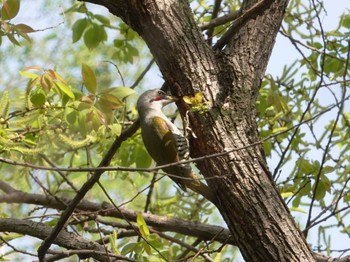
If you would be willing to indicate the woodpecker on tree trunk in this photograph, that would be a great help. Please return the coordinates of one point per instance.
(165, 143)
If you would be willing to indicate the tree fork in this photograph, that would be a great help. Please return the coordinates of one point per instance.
(229, 79)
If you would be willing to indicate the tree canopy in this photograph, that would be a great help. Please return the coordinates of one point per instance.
(75, 173)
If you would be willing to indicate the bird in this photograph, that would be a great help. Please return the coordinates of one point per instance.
(165, 143)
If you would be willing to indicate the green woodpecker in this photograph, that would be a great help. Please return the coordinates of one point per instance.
(165, 143)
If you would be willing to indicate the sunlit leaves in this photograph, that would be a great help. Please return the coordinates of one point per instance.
(92, 27)
(345, 21)
(103, 19)
(38, 97)
(108, 100)
(89, 78)
(308, 171)
(122, 92)
(196, 103)
(49, 80)
(124, 51)
(4, 106)
(10, 9)
(78, 28)
(141, 223)
(94, 35)
(64, 88)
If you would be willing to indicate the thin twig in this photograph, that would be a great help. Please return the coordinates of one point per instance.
(142, 75)
(120, 74)
(150, 191)
(214, 15)
(323, 161)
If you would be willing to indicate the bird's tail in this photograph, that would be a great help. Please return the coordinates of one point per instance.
(197, 186)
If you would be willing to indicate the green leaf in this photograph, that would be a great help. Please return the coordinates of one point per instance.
(110, 101)
(120, 92)
(333, 65)
(279, 129)
(287, 194)
(65, 89)
(296, 202)
(25, 28)
(141, 223)
(38, 97)
(113, 241)
(29, 75)
(78, 29)
(306, 167)
(10, 9)
(104, 20)
(90, 38)
(89, 78)
(94, 36)
(328, 169)
(347, 197)
(297, 209)
(71, 115)
(116, 129)
(132, 248)
(320, 191)
(345, 21)
(218, 257)
(4, 104)
(13, 39)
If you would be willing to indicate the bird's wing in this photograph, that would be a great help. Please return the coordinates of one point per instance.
(165, 131)
(174, 149)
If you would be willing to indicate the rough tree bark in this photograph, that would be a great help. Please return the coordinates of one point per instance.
(229, 75)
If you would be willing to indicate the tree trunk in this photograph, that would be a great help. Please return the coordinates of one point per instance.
(229, 78)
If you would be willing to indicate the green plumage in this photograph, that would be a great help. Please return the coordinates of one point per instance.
(165, 143)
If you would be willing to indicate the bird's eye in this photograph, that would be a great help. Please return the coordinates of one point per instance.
(161, 93)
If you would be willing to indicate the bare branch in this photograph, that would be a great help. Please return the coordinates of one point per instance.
(160, 223)
(142, 75)
(220, 20)
(63, 239)
(214, 15)
(6, 187)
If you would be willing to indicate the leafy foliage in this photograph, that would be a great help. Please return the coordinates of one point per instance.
(303, 111)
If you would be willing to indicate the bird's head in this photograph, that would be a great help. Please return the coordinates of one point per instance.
(154, 98)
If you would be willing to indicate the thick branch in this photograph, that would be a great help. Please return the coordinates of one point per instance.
(63, 239)
(160, 223)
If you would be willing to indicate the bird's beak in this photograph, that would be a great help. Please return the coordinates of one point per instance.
(172, 98)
